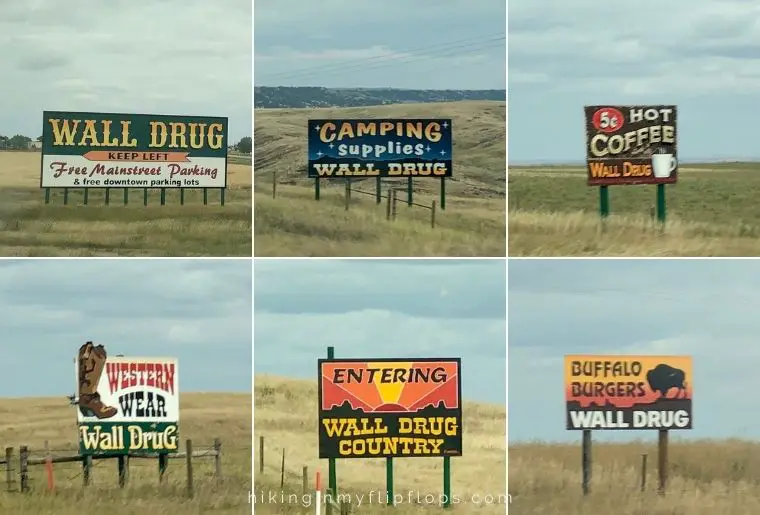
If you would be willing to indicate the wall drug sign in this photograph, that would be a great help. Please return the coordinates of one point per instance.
(631, 144)
(628, 392)
(380, 148)
(382, 408)
(105, 150)
(125, 404)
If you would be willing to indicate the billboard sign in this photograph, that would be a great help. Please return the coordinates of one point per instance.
(631, 144)
(380, 148)
(126, 405)
(377, 408)
(628, 392)
(108, 150)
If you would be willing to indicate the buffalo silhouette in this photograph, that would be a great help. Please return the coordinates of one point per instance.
(664, 377)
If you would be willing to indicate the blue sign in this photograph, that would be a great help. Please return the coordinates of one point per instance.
(380, 148)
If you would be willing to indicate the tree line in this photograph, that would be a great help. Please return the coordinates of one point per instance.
(21, 142)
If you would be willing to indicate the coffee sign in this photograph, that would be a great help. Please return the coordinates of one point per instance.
(634, 144)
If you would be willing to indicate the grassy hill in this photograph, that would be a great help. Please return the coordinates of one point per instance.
(706, 478)
(33, 421)
(294, 224)
(711, 211)
(286, 416)
(285, 96)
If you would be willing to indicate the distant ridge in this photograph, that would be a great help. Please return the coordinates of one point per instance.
(270, 97)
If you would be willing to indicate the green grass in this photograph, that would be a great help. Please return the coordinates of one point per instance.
(30, 227)
(712, 210)
(294, 224)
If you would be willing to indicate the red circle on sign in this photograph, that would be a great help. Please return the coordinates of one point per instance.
(607, 119)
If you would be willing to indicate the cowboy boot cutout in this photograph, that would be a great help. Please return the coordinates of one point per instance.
(92, 360)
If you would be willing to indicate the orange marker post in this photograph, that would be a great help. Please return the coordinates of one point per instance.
(319, 494)
(49, 470)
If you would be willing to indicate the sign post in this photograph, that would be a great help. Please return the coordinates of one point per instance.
(629, 145)
(332, 479)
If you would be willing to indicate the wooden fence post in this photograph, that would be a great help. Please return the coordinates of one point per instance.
(86, 468)
(388, 205)
(218, 458)
(432, 215)
(189, 458)
(643, 472)
(123, 464)
(394, 206)
(261, 454)
(348, 193)
(305, 479)
(163, 463)
(282, 470)
(23, 456)
(9, 468)
(274, 183)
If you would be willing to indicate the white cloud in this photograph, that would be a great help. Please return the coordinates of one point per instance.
(701, 55)
(171, 57)
(384, 308)
(703, 309)
(133, 307)
(421, 44)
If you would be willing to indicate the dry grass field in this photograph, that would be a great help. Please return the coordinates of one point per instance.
(294, 224)
(706, 478)
(286, 416)
(712, 211)
(204, 417)
(29, 227)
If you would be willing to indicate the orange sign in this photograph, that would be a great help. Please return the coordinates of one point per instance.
(628, 392)
(389, 407)
(122, 155)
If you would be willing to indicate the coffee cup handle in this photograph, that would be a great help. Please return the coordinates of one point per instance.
(673, 163)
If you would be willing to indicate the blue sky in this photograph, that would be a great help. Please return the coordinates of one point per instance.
(383, 308)
(701, 55)
(198, 311)
(188, 57)
(703, 308)
(425, 44)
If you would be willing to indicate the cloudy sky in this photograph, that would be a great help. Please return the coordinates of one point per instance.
(375, 309)
(187, 57)
(706, 309)
(426, 44)
(700, 55)
(197, 311)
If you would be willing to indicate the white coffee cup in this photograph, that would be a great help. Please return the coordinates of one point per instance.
(663, 165)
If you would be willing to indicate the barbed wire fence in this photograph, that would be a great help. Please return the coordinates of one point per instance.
(34, 470)
(386, 192)
(273, 458)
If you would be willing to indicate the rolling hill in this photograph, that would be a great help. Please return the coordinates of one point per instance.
(299, 97)
(294, 224)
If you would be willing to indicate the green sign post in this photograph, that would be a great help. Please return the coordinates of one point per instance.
(633, 145)
(345, 404)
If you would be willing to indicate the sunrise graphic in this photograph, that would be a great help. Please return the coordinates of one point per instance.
(390, 386)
